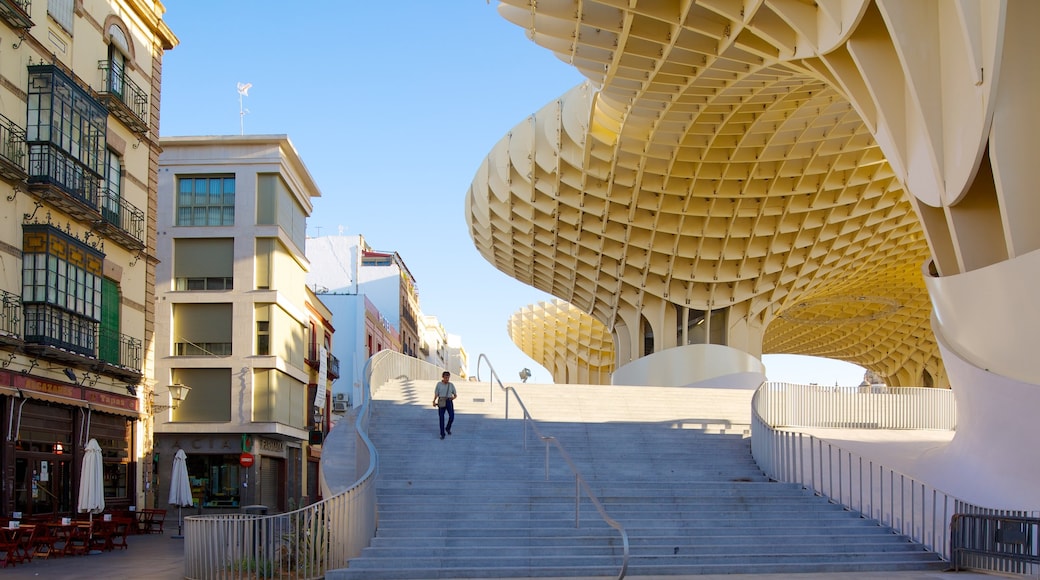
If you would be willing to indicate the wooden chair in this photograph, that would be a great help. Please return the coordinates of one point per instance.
(43, 541)
(121, 528)
(78, 542)
(10, 546)
(25, 541)
(151, 520)
(101, 533)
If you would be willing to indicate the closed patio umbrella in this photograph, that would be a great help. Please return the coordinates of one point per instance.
(180, 488)
(91, 481)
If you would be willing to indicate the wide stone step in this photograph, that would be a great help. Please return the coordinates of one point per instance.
(563, 526)
(737, 540)
(542, 566)
(587, 549)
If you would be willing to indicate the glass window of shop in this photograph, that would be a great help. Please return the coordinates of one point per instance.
(113, 435)
(214, 480)
(44, 460)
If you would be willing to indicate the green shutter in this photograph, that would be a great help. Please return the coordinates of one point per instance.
(108, 345)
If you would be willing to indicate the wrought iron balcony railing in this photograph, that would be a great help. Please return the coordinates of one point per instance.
(333, 367)
(119, 350)
(125, 100)
(16, 13)
(50, 166)
(10, 314)
(127, 220)
(12, 150)
(53, 333)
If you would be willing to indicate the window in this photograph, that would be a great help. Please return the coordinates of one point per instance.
(112, 196)
(116, 64)
(203, 263)
(206, 201)
(61, 289)
(61, 12)
(65, 131)
(113, 435)
(202, 330)
(205, 284)
(263, 337)
(214, 479)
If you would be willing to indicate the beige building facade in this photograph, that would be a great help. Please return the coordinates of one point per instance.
(236, 321)
(843, 179)
(79, 119)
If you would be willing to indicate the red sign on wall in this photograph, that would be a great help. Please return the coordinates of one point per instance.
(246, 460)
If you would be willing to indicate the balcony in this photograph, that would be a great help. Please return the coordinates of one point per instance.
(124, 99)
(57, 178)
(12, 150)
(121, 220)
(52, 336)
(16, 13)
(332, 366)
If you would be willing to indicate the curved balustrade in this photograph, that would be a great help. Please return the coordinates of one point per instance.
(307, 542)
(909, 506)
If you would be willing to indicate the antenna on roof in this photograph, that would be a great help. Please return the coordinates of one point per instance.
(243, 91)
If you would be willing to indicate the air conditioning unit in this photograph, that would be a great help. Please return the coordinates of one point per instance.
(339, 406)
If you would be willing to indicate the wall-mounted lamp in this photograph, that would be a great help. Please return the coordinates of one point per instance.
(72, 375)
(178, 392)
(131, 390)
(32, 365)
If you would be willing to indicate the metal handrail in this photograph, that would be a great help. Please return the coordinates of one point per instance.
(909, 506)
(580, 483)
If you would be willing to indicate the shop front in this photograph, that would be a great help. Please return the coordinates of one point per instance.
(229, 472)
(46, 428)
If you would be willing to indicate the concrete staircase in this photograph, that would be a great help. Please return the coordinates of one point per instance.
(672, 465)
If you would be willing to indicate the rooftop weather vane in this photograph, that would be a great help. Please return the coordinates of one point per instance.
(243, 91)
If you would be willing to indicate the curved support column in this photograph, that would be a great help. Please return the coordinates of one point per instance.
(992, 460)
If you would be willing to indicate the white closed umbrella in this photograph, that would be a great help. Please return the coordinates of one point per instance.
(180, 487)
(91, 481)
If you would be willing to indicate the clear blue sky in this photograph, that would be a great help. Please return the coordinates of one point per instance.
(392, 106)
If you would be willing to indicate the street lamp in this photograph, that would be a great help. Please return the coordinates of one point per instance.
(178, 392)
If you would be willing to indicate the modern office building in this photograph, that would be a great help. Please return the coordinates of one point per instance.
(79, 119)
(844, 179)
(236, 322)
(575, 347)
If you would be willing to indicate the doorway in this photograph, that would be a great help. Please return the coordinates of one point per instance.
(43, 484)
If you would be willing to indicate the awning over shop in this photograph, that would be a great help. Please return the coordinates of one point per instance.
(114, 410)
(51, 398)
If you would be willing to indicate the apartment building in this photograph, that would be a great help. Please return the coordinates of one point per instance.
(374, 300)
(79, 117)
(236, 322)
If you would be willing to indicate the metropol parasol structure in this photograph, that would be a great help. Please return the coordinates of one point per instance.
(853, 179)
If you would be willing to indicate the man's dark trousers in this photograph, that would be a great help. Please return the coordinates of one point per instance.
(450, 408)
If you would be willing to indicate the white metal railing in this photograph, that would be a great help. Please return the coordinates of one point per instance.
(866, 407)
(580, 484)
(307, 542)
(909, 506)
